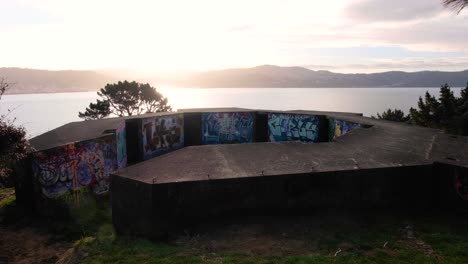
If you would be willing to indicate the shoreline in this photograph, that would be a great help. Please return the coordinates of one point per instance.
(380, 87)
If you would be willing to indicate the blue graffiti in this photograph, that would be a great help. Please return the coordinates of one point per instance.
(227, 128)
(293, 127)
(74, 166)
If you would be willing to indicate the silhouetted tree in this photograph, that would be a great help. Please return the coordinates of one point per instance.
(448, 112)
(393, 115)
(4, 86)
(427, 115)
(13, 143)
(98, 110)
(126, 99)
(461, 120)
(457, 5)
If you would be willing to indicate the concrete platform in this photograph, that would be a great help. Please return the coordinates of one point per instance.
(382, 163)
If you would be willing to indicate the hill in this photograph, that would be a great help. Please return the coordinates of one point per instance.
(275, 76)
(44, 81)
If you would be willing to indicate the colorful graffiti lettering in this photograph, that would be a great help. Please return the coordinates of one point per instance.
(293, 127)
(75, 166)
(340, 127)
(162, 134)
(121, 146)
(227, 128)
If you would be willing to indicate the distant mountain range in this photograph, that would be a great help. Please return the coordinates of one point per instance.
(275, 76)
(44, 81)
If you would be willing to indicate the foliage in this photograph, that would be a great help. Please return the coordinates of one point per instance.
(448, 112)
(4, 86)
(7, 197)
(126, 99)
(13, 143)
(456, 5)
(393, 115)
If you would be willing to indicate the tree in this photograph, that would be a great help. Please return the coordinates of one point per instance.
(448, 112)
(461, 119)
(456, 5)
(427, 115)
(13, 144)
(393, 115)
(126, 99)
(4, 86)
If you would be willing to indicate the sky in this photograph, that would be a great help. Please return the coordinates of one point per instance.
(173, 35)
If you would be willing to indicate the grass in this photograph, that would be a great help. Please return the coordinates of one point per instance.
(7, 197)
(143, 251)
(430, 237)
(436, 240)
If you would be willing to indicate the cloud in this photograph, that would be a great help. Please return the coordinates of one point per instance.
(394, 10)
(209, 34)
(401, 64)
(444, 33)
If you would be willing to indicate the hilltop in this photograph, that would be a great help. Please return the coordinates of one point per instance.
(45, 81)
(276, 76)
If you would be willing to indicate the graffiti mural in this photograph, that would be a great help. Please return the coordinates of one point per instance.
(162, 134)
(293, 127)
(339, 127)
(227, 128)
(121, 146)
(75, 166)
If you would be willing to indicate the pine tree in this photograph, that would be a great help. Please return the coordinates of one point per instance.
(448, 112)
(126, 99)
(427, 115)
(393, 115)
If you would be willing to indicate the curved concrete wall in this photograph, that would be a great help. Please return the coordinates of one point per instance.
(84, 164)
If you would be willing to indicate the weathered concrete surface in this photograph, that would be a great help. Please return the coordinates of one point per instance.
(380, 164)
(74, 132)
(82, 130)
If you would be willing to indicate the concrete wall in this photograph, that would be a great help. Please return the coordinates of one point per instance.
(133, 144)
(293, 127)
(454, 183)
(133, 214)
(85, 164)
(227, 128)
(88, 163)
(461, 183)
(175, 205)
(161, 134)
(192, 129)
(338, 128)
(121, 135)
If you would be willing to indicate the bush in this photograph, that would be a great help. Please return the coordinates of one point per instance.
(13, 143)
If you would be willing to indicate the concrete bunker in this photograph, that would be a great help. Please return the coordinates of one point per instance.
(191, 164)
(81, 155)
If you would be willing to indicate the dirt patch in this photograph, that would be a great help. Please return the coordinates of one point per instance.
(28, 246)
(412, 240)
(260, 244)
(259, 236)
